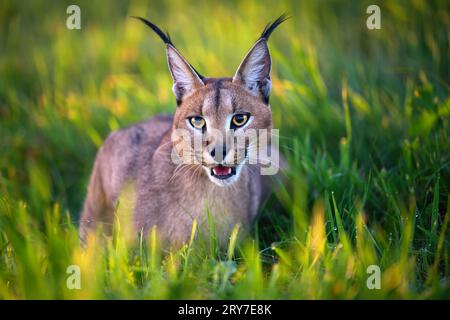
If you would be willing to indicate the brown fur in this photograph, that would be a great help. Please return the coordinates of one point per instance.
(171, 196)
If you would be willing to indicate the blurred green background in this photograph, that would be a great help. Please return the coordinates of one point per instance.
(363, 118)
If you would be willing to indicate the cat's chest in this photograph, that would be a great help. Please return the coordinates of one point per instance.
(174, 207)
(218, 211)
(222, 204)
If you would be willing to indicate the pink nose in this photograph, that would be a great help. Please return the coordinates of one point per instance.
(220, 154)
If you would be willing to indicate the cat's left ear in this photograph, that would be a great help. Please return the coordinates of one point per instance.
(254, 71)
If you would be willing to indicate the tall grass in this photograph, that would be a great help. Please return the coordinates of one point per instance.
(363, 118)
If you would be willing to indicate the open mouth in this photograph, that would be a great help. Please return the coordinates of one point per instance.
(222, 172)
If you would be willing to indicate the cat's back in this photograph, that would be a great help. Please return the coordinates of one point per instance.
(120, 154)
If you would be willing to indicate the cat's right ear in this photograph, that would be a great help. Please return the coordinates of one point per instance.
(185, 78)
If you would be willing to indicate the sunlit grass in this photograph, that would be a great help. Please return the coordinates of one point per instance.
(363, 119)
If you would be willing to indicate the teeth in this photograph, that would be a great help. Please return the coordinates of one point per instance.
(224, 171)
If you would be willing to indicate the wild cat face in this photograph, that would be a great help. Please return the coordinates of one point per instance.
(220, 122)
(219, 125)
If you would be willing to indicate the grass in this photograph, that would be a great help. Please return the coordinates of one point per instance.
(363, 118)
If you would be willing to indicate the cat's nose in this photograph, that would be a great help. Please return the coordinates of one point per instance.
(219, 153)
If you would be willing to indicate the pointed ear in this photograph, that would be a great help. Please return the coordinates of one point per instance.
(185, 79)
(254, 71)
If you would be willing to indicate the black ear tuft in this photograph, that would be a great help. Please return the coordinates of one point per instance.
(254, 71)
(165, 37)
(273, 25)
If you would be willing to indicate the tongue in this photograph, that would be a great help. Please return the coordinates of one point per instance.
(221, 171)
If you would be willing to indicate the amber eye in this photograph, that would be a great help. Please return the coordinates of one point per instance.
(197, 122)
(239, 120)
